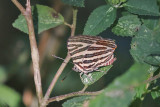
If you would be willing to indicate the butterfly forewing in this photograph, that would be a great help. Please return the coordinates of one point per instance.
(90, 52)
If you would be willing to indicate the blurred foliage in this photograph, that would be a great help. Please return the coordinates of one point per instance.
(3, 75)
(132, 20)
(155, 94)
(10, 97)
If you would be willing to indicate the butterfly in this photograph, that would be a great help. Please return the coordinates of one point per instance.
(90, 52)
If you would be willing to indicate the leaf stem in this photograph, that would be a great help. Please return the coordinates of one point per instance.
(34, 50)
(73, 94)
(63, 65)
(85, 87)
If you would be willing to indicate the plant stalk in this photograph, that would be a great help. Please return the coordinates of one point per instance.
(27, 13)
(73, 94)
(63, 65)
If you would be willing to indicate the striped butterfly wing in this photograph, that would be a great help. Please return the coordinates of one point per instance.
(90, 52)
(77, 47)
(99, 54)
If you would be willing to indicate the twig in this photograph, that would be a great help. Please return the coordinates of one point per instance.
(152, 78)
(34, 50)
(73, 26)
(74, 22)
(60, 70)
(62, 97)
(68, 24)
(19, 6)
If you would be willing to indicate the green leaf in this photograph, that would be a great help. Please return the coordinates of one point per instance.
(126, 13)
(121, 91)
(140, 91)
(94, 76)
(77, 3)
(151, 23)
(143, 7)
(99, 20)
(155, 94)
(153, 59)
(3, 75)
(145, 46)
(44, 18)
(127, 25)
(115, 2)
(9, 97)
(76, 102)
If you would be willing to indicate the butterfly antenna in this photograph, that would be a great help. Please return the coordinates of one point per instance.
(65, 62)
(65, 76)
(60, 58)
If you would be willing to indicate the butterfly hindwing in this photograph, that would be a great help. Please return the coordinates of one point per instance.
(90, 52)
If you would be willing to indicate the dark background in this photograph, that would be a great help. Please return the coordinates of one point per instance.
(15, 55)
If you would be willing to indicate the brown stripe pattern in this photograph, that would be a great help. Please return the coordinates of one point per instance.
(90, 52)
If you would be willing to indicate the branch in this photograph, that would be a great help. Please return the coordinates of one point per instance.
(34, 50)
(19, 6)
(152, 78)
(62, 97)
(60, 70)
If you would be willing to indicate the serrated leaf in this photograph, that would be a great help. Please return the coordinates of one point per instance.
(151, 23)
(143, 7)
(99, 20)
(126, 13)
(153, 59)
(155, 94)
(94, 76)
(121, 92)
(76, 102)
(145, 46)
(44, 18)
(77, 3)
(127, 25)
(9, 97)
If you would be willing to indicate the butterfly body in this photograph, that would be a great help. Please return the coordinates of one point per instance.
(90, 52)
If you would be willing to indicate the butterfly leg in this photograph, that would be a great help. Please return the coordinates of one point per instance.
(84, 74)
(100, 70)
(81, 75)
(89, 76)
(96, 69)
